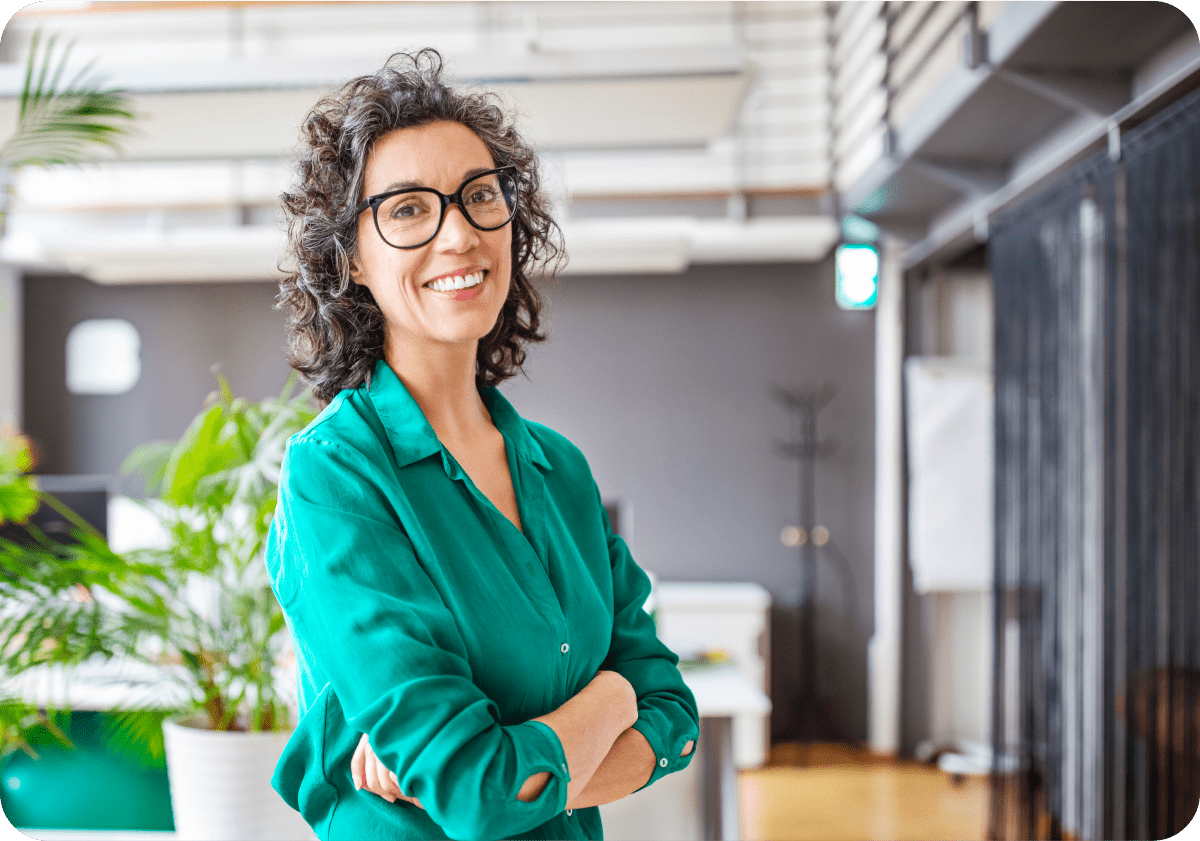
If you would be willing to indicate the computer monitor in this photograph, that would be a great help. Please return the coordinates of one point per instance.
(87, 496)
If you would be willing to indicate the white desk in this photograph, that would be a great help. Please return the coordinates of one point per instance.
(732, 617)
(721, 694)
(723, 691)
(699, 803)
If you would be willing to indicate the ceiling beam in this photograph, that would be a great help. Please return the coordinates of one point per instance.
(252, 252)
(261, 123)
(1088, 94)
(490, 68)
(969, 180)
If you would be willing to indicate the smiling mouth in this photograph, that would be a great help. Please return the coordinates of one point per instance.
(451, 284)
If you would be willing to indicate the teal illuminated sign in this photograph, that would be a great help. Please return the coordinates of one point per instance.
(857, 267)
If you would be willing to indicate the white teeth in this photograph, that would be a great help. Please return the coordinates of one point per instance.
(447, 284)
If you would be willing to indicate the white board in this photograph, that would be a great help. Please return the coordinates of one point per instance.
(950, 464)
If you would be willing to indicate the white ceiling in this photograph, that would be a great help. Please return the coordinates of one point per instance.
(662, 103)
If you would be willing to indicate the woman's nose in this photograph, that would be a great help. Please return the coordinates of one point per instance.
(457, 234)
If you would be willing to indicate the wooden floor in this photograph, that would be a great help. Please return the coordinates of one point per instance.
(837, 793)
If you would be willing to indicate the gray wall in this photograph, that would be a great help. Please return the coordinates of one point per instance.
(185, 331)
(662, 380)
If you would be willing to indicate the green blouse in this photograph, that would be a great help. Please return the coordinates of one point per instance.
(422, 616)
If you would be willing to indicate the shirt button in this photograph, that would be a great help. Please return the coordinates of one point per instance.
(663, 762)
(569, 811)
(564, 767)
(565, 648)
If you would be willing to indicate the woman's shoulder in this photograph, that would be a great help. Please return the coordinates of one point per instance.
(558, 448)
(533, 439)
(346, 428)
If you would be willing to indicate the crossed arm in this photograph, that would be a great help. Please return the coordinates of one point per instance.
(607, 757)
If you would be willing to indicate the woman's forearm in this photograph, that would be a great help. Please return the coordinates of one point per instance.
(587, 725)
(625, 769)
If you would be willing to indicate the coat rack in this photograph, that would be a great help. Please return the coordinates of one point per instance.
(805, 447)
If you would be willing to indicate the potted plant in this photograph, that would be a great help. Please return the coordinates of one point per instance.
(198, 608)
(19, 498)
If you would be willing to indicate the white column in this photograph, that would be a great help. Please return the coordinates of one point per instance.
(884, 651)
(10, 347)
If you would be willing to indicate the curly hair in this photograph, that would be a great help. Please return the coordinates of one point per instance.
(335, 327)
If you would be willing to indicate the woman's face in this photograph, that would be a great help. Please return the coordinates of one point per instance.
(440, 155)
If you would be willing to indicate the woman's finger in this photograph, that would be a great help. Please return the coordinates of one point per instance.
(368, 769)
(402, 795)
(374, 784)
(370, 773)
(358, 762)
(386, 778)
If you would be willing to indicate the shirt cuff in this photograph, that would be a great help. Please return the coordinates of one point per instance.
(667, 750)
(557, 766)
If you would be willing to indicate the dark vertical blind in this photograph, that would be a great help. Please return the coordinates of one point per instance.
(1096, 716)
(1162, 462)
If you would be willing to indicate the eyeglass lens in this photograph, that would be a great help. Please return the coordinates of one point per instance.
(412, 218)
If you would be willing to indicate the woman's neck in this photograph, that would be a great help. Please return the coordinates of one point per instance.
(442, 381)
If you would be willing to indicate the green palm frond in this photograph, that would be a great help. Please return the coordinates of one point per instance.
(59, 124)
(23, 724)
(137, 734)
(18, 492)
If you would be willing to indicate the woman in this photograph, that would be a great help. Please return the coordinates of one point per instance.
(474, 660)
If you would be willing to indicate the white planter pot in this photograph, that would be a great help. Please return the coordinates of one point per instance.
(221, 785)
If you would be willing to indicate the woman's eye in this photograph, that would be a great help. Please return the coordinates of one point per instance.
(481, 195)
(405, 210)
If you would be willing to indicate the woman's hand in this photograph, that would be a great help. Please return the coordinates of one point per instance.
(369, 773)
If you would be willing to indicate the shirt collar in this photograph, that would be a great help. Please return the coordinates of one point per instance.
(514, 428)
(411, 436)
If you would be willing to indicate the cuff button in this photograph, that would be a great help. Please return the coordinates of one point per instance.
(663, 762)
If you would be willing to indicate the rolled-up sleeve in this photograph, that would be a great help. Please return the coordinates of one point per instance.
(667, 714)
(363, 608)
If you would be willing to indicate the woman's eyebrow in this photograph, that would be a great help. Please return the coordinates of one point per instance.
(401, 185)
(413, 185)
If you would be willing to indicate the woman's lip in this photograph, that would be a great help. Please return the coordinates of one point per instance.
(454, 274)
(471, 292)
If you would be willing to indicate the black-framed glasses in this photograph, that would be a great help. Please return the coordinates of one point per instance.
(412, 217)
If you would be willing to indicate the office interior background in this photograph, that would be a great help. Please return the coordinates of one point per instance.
(1007, 496)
